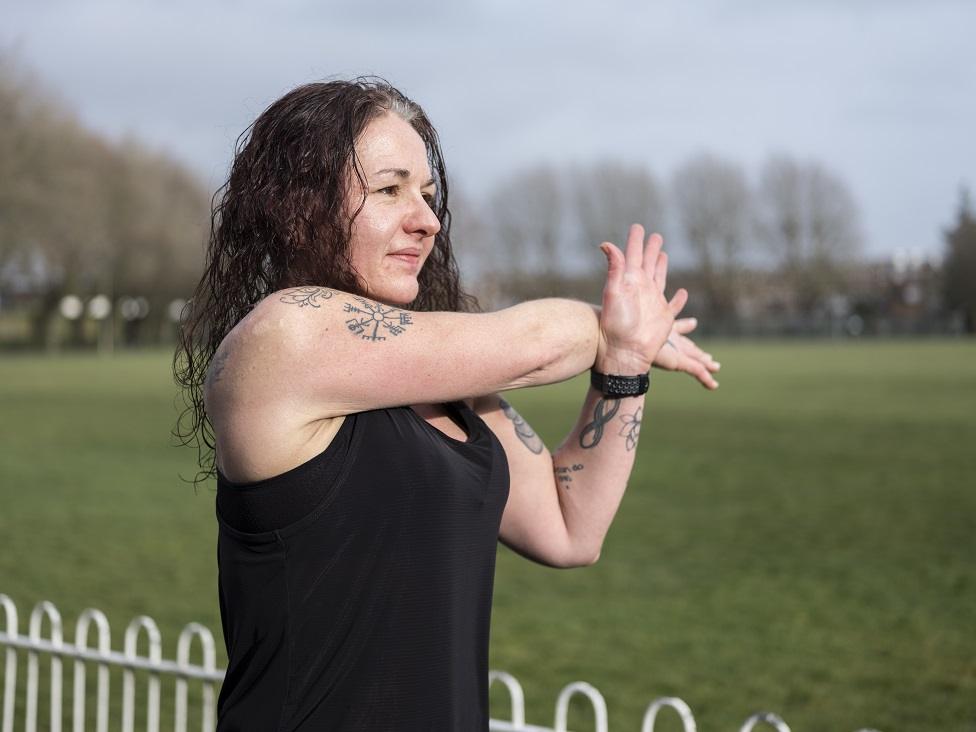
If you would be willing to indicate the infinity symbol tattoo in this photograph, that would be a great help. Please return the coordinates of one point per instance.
(601, 418)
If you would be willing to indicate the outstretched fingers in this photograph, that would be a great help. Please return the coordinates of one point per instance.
(615, 262)
(635, 246)
(677, 302)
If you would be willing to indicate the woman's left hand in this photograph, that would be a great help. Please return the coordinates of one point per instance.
(680, 353)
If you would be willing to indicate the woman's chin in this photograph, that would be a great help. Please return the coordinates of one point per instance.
(399, 295)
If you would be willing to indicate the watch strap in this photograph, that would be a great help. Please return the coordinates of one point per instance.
(615, 386)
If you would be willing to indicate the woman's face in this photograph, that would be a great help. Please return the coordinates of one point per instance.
(394, 232)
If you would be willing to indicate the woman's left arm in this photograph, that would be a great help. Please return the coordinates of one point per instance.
(560, 506)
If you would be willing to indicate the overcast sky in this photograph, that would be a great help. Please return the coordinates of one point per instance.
(881, 92)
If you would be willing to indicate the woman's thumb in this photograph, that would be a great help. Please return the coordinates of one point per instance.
(612, 264)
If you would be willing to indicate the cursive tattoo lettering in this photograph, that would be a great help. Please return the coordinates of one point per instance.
(564, 473)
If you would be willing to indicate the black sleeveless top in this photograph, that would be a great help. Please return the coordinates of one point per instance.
(355, 589)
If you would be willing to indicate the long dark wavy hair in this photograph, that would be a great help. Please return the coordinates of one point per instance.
(279, 222)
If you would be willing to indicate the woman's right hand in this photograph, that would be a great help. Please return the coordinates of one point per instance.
(636, 317)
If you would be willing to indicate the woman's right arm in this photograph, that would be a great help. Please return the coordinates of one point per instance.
(335, 353)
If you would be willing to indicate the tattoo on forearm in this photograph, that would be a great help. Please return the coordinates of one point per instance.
(564, 473)
(525, 433)
(216, 368)
(306, 296)
(603, 412)
(370, 316)
(631, 428)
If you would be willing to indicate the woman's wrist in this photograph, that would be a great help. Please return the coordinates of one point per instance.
(620, 362)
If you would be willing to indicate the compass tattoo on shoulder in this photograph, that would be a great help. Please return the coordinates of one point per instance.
(370, 317)
(306, 296)
(525, 432)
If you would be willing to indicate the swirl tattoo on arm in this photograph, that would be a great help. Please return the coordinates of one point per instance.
(522, 428)
(306, 296)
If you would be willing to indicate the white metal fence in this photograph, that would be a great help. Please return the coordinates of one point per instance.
(208, 677)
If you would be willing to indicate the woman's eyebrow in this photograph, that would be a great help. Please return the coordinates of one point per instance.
(403, 173)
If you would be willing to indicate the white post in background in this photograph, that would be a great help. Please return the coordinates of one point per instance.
(515, 695)
(128, 675)
(595, 697)
(209, 664)
(683, 710)
(769, 718)
(10, 672)
(104, 647)
(57, 642)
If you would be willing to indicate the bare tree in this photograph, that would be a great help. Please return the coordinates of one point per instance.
(609, 196)
(809, 221)
(960, 263)
(527, 209)
(85, 214)
(712, 201)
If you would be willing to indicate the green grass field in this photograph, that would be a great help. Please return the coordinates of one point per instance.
(801, 541)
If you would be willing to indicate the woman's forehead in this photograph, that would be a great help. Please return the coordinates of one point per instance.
(389, 142)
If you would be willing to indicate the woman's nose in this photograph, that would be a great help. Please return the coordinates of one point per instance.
(423, 220)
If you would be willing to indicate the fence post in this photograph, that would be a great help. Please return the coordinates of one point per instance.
(57, 641)
(104, 648)
(515, 695)
(128, 675)
(683, 710)
(767, 717)
(10, 672)
(595, 697)
(209, 664)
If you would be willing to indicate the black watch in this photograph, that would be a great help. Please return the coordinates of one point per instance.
(613, 386)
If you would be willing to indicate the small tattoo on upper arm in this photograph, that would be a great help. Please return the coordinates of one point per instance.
(603, 412)
(370, 316)
(631, 428)
(525, 432)
(216, 368)
(564, 473)
(306, 296)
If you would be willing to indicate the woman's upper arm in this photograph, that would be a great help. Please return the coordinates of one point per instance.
(337, 353)
(532, 523)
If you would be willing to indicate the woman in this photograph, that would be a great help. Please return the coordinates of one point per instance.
(366, 464)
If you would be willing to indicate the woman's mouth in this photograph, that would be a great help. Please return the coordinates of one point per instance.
(410, 258)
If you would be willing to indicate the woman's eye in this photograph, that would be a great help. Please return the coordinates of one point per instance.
(429, 199)
(389, 190)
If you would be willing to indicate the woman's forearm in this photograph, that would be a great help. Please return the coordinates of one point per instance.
(594, 463)
(563, 333)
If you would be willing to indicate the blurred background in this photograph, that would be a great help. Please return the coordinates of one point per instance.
(801, 540)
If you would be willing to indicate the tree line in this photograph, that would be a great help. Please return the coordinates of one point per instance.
(83, 215)
(540, 227)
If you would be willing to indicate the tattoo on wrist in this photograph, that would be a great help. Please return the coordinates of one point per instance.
(306, 296)
(370, 316)
(564, 473)
(631, 428)
(603, 412)
(525, 433)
